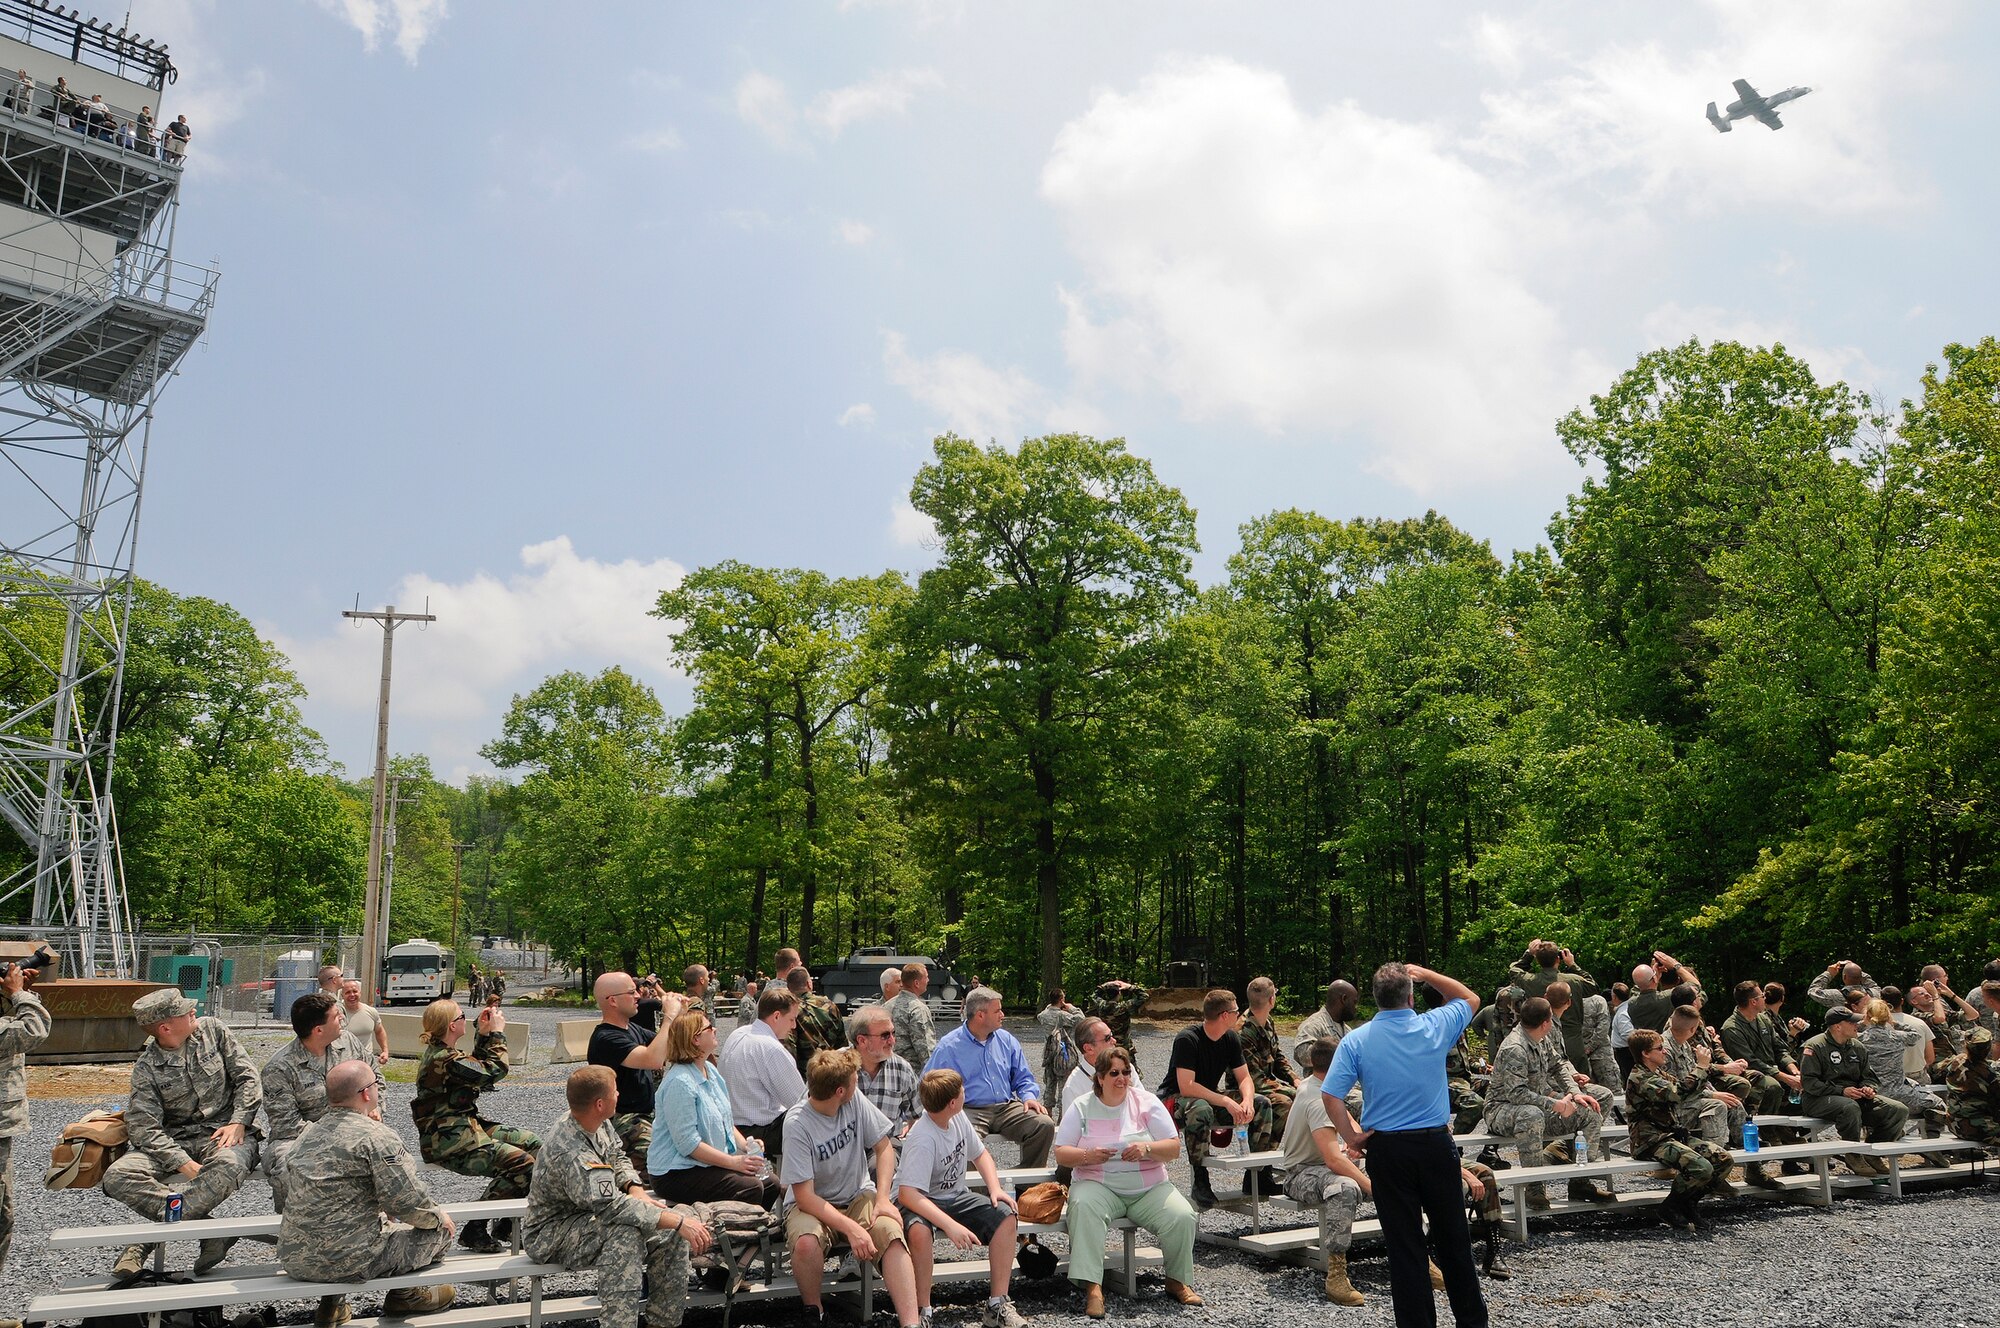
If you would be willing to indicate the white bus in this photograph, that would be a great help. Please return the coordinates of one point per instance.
(418, 972)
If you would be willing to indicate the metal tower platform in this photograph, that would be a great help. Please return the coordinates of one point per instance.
(95, 316)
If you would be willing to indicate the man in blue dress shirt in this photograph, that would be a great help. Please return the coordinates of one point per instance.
(1398, 1059)
(1001, 1094)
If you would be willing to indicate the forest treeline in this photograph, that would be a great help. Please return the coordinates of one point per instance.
(1742, 706)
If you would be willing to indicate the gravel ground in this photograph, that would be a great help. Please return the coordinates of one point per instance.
(1759, 1266)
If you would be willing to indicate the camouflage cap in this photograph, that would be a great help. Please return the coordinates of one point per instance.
(1978, 1035)
(157, 1006)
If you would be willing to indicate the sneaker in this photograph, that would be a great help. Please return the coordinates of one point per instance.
(849, 1270)
(1000, 1314)
(926, 1317)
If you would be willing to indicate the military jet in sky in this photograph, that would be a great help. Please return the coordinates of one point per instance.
(1749, 105)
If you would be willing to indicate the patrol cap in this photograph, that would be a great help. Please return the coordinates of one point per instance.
(1978, 1035)
(1838, 1016)
(158, 1006)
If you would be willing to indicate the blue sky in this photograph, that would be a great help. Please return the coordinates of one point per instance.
(527, 308)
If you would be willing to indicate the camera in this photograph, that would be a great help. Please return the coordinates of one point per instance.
(34, 963)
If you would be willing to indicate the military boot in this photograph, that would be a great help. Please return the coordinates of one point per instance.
(1538, 1198)
(1199, 1192)
(417, 1300)
(129, 1264)
(1754, 1174)
(1338, 1289)
(1437, 1276)
(1258, 1181)
(1588, 1192)
(332, 1312)
(1676, 1212)
(213, 1251)
(475, 1237)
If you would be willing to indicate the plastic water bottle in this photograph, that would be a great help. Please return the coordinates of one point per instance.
(1750, 1136)
(1582, 1150)
(757, 1151)
(1242, 1140)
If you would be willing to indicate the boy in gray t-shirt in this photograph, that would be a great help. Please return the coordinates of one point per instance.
(830, 1193)
(930, 1186)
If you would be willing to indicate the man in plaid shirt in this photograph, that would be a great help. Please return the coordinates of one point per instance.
(886, 1079)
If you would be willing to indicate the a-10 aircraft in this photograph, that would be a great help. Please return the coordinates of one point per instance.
(1749, 105)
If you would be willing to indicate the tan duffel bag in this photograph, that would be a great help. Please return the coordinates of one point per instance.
(87, 1148)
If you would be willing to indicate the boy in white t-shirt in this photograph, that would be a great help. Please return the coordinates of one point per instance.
(931, 1190)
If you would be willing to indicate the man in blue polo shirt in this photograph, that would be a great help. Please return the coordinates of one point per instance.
(1398, 1059)
(1001, 1094)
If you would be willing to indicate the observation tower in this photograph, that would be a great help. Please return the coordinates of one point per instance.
(95, 316)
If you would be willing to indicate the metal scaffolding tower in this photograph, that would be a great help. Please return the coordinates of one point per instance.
(95, 315)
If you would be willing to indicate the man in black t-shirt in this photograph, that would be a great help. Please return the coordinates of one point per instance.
(635, 1058)
(1206, 1067)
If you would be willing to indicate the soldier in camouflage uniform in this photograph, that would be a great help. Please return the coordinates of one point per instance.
(916, 1036)
(1531, 1099)
(191, 1121)
(1115, 1002)
(1603, 1067)
(1653, 1108)
(450, 1129)
(1333, 1019)
(348, 1175)
(587, 1208)
(1715, 1114)
(1972, 1091)
(820, 1027)
(1541, 967)
(695, 984)
(1059, 1050)
(1467, 1106)
(1837, 1084)
(24, 1024)
(1265, 1055)
(294, 1079)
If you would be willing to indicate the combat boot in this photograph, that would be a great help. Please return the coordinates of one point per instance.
(1489, 1157)
(1719, 1186)
(213, 1251)
(417, 1300)
(1588, 1192)
(475, 1237)
(1754, 1174)
(1338, 1289)
(1257, 1181)
(1677, 1212)
(1200, 1193)
(1437, 1275)
(130, 1263)
(332, 1312)
(1538, 1198)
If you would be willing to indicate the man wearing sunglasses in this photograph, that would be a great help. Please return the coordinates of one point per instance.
(635, 1060)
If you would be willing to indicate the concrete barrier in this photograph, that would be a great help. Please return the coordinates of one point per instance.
(572, 1041)
(404, 1029)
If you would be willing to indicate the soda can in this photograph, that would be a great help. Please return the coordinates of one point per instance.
(174, 1203)
(1750, 1136)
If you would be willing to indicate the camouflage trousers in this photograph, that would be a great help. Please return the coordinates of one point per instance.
(635, 1131)
(1337, 1197)
(1196, 1118)
(624, 1257)
(1717, 1122)
(1489, 1189)
(1969, 1120)
(1604, 1072)
(142, 1184)
(1532, 1128)
(1924, 1104)
(1281, 1096)
(504, 1152)
(396, 1251)
(1467, 1107)
(6, 1198)
(1695, 1164)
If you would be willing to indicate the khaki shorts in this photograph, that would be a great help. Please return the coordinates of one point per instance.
(883, 1231)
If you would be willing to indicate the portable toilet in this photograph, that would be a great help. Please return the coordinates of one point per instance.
(297, 973)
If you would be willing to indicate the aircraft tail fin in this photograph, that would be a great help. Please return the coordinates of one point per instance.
(1721, 125)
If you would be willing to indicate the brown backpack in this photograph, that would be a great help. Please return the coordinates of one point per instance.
(87, 1148)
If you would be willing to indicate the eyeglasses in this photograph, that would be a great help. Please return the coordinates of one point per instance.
(1115, 1074)
(706, 1028)
(458, 1018)
(885, 1033)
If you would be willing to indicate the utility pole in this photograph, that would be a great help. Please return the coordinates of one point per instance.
(371, 904)
(457, 870)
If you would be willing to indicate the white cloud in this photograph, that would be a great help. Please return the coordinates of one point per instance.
(860, 415)
(1671, 324)
(1500, 44)
(964, 393)
(1627, 119)
(413, 21)
(661, 140)
(1330, 273)
(910, 528)
(849, 231)
(764, 103)
(747, 219)
(884, 94)
(494, 637)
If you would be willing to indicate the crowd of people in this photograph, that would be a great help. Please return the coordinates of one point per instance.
(93, 117)
(861, 1131)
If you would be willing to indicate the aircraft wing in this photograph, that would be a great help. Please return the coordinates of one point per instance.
(1745, 91)
(1770, 117)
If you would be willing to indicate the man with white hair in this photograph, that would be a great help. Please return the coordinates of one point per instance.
(1001, 1094)
(886, 1079)
(892, 983)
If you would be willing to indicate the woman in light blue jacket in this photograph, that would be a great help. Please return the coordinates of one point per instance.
(697, 1153)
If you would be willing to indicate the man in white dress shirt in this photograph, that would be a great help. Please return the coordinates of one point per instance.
(762, 1074)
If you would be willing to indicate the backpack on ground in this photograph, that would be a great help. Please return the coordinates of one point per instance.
(86, 1149)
